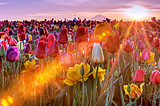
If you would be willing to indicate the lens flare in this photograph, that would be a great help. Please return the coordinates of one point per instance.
(4, 102)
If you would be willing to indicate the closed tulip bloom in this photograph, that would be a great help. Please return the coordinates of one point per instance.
(71, 47)
(141, 45)
(81, 34)
(45, 30)
(41, 50)
(124, 30)
(97, 53)
(128, 47)
(34, 32)
(145, 55)
(65, 59)
(10, 32)
(53, 51)
(112, 43)
(55, 34)
(51, 38)
(41, 31)
(101, 31)
(84, 48)
(155, 42)
(12, 54)
(21, 29)
(29, 38)
(43, 38)
(155, 77)
(139, 75)
(12, 42)
(22, 36)
(27, 48)
(63, 38)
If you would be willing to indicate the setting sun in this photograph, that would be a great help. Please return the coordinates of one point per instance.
(137, 12)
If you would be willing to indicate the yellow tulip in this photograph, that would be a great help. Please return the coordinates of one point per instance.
(135, 91)
(30, 66)
(97, 53)
(74, 76)
(101, 73)
(101, 31)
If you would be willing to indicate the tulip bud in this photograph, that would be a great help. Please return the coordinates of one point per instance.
(2, 51)
(129, 88)
(82, 70)
(116, 74)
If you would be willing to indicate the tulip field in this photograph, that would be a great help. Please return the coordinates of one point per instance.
(79, 63)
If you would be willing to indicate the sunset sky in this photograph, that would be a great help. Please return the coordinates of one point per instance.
(60, 9)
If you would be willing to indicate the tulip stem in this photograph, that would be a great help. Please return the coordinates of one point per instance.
(83, 98)
(112, 79)
(13, 69)
(95, 84)
(41, 75)
(154, 58)
(2, 74)
(154, 97)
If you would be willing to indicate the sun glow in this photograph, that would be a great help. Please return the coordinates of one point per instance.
(137, 12)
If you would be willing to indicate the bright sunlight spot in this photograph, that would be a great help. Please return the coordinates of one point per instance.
(137, 12)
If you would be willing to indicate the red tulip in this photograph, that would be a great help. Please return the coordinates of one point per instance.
(4, 44)
(141, 45)
(138, 58)
(51, 38)
(112, 43)
(41, 50)
(53, 51)
(155, 42)
(44, 38)
(21, 29)
(139, 75)
(150, 37)
(128, 47)
(81, 34)
(155, 77)
(84, 48)
(145, 55)
(12, 42)
(71, 47)
(22, 36)
(63, 38)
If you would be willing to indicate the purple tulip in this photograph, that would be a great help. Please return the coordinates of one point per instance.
(55, 34)
(27, 48)
(12, 54)
(10, 32)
